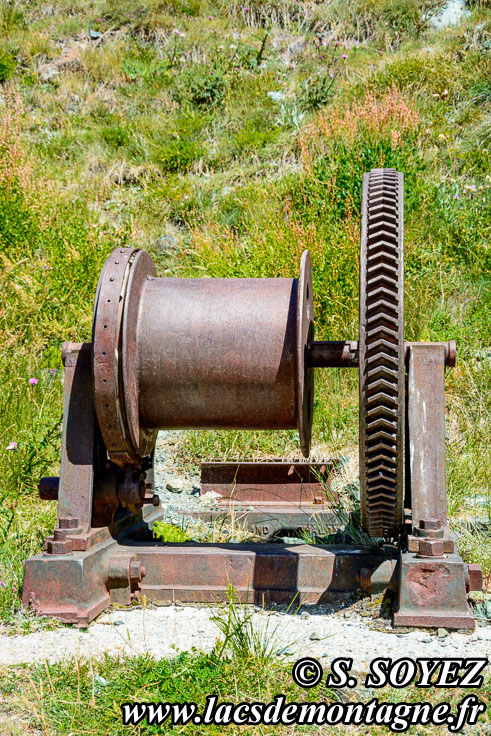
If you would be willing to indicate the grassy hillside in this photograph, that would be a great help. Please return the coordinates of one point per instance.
(225, 138)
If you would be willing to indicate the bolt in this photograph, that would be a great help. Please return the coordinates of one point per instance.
(137, 571)
(318, 499)
(430, 524)
(475, 576)
(155, 500)
(59, 544)
(68, 522)
(431, 548)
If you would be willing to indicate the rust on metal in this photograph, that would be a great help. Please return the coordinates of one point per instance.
(106, 337)
(223, 353)
(75, 492)
(240, 354)
(272, 482)
(426, 434)
(345, 353)
(381, 353)
(432, 592)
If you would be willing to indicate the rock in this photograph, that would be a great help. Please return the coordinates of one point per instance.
(482, 610)
(315, 636)
(297, 47)
(442, 633)
(304, 614)
(175, 485)
(70, 59)
(426, 639)
(95, 35)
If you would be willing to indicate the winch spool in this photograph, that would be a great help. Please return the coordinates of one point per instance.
(172, 353)
(239, 354)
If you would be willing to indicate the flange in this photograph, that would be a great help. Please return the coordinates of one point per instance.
(107, 357)
(305, 334)
(381, 353)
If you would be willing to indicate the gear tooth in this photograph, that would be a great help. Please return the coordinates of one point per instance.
(381, 365)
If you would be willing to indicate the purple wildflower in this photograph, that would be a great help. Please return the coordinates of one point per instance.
(210, 17)
(456, 196)
(331, 74)
(345, 56)
(12, 446)
(52, 371)
(33, 381)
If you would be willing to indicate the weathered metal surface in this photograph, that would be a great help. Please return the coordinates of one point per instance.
(267, 521)
(239, 353)
(142, 439)
(433, 579)
(332, 354)
(75, 493)
(259, 572)
(427, 479)
(222, 353)
(272, 482)
(76, 587)
(475, 576)
(304, 374)
(381, 353)
(433, 592)
(106, 338)
(345, 353)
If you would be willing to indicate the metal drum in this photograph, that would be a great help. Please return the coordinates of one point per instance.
(198, 353)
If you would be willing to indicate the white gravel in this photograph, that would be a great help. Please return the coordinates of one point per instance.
(165, 631)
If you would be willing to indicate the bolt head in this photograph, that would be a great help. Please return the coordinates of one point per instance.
(137, 571)
(431, 548)
(431, 524)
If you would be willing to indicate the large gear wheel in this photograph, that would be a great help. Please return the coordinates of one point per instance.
(381, 353)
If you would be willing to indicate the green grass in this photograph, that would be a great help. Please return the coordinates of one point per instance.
(216, 138)
(84, 697)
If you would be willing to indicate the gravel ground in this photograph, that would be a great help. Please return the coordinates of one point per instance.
(164, 631)
(186, 496)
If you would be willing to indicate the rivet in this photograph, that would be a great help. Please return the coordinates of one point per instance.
(112, 278)
(117, 263)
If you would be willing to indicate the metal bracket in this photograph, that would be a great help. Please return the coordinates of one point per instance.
(433, 579)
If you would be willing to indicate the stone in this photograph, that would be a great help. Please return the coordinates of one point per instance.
(315, 636)
(442, 633)
(175, 485)
(482, 610)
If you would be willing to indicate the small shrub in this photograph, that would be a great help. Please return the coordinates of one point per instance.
(201, 85)
(116, 136)
(7, 66)
(179, 154)
(169, 532)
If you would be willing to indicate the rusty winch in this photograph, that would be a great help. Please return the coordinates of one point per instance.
(171, 353)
